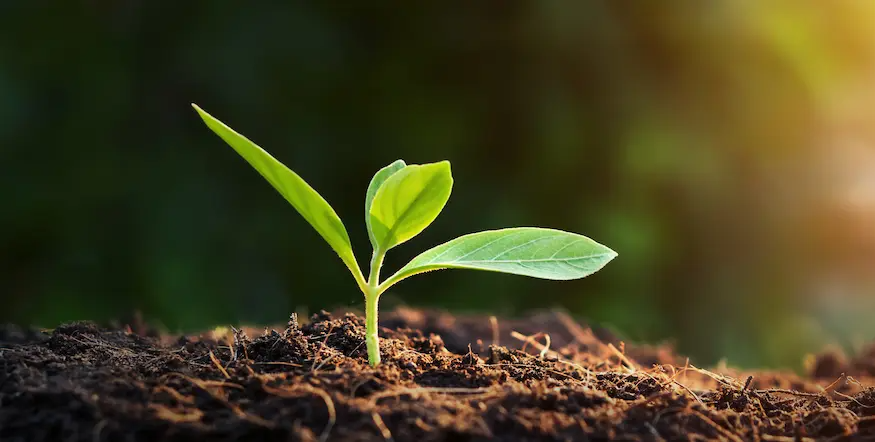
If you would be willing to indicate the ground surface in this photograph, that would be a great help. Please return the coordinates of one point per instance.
(442, 378)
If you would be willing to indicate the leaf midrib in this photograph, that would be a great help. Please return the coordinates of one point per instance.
(505, 261)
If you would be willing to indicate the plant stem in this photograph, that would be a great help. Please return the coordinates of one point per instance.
(371, 338)
(372, 295)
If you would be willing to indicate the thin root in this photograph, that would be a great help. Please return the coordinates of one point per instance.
(219, 365)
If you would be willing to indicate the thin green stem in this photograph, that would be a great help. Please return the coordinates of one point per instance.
(399, 276)
(372, 296)
(389, 282)
(357, 275)
(376, 264)
(371, 338)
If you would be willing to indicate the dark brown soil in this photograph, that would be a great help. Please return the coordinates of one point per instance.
(442, 378)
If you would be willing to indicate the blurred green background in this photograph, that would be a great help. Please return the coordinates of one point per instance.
(724, 149)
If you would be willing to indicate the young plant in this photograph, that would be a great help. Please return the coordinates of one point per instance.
(401, 201)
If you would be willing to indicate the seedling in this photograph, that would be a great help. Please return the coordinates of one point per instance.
(401, 201)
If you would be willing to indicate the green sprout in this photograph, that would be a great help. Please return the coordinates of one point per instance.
(401, 201)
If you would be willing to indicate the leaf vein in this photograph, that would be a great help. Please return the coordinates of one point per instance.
(565, 247)
(521, 245)
(501, 237)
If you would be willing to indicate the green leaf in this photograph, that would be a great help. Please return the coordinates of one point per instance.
(408, 201)
(527, 251)
(379, 178)
(296, 191)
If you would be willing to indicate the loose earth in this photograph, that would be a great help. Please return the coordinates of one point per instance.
(467, 378)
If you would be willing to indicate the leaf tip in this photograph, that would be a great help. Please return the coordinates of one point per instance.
(444, 165)
(201, 113)
(608, 255)
(611, 255)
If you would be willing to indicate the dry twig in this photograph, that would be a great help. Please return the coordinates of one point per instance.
(219, 365)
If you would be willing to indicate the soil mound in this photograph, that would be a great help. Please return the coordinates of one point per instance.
(442, 378)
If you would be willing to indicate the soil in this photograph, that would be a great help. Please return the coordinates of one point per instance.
(443, 377)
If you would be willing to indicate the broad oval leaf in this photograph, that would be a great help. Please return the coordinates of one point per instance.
(296, 191)
(528, 251)
(408, 201)
(379, 178)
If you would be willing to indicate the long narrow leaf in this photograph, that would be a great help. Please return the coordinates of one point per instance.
(296, 191)
(527, 251)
